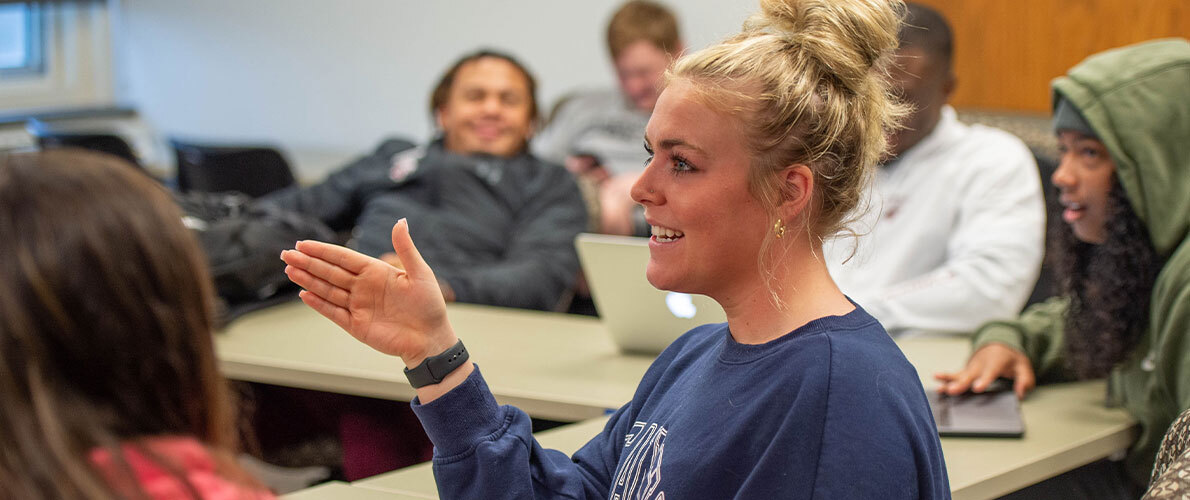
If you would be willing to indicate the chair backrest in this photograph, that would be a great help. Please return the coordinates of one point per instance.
(103, 142)
(252, 170)
(1047, 283)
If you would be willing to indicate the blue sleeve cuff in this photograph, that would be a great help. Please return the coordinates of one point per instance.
(461, 418)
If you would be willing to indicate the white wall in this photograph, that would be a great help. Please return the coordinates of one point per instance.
(327, 79)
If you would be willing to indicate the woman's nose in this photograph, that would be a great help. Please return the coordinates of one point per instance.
(1063, 176)
(643, 190)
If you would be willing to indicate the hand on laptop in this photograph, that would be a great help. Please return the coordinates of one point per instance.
(397, 310)
(990, 362)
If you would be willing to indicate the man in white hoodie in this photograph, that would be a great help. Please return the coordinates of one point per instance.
(955, 232)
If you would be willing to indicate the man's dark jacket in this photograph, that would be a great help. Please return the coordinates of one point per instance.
(500, 231)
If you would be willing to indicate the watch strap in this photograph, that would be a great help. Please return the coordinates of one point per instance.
(435, 368)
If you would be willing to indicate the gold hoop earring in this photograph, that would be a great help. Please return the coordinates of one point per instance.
(779, 229)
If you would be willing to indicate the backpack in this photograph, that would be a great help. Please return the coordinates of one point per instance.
(243, 243)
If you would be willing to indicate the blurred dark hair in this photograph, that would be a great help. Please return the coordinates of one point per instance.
(1109, 286)
(927, 29)
(442, 90)
(105, 327)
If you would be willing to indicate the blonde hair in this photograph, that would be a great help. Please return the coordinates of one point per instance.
(808, 81)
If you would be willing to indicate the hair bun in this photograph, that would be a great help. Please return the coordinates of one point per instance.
(848, 36)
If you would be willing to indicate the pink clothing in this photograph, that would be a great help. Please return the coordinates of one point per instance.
(187, 455)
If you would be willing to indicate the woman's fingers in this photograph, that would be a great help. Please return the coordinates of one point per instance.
(989, 363)
(1024, 378)
(986, 376)
(330, 273)
(340, 316)
(345, 258)
(961, 381)
(323, 289)
(410, 258)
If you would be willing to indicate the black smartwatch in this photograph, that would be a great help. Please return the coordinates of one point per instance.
(435, 368)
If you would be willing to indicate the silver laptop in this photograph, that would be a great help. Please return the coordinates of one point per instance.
(640, 318)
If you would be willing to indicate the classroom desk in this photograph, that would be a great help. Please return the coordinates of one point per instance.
(1066, 426)
(419, 479)
(338, 490)
(553, 366)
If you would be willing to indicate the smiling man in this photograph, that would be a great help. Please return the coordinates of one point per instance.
(597, 134)
(497, 223)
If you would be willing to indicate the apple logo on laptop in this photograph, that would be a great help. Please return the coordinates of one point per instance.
(680, 304)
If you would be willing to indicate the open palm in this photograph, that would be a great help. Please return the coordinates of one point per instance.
(395, 311)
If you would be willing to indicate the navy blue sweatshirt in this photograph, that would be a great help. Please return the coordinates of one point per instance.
(832, 410)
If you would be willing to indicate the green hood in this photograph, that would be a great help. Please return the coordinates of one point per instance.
(1137, 99)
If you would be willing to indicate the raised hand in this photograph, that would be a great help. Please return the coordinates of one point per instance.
(985, 366)
(397, 310)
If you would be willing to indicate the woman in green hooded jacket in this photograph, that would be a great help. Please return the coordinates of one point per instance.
(1123, 123)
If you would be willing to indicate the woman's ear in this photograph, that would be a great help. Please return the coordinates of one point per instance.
(797, 187)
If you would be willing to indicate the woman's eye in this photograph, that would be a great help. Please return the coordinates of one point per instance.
(1090, 152)
(680, 165)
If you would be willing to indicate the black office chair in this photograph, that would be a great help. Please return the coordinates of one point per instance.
(252, 170)
(49, 138)
(1047, 283)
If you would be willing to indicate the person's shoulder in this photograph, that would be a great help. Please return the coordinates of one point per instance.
(877, 419)
(863, 342)
(972, 155)
(1173, 281)
(199, 468)
(867, 338)
(544, 176)
(393, 145)
(989, 134)
(994, 142)
(872, 384)
(588, 102)
(380, 159)
(539, 164)
(597, 97)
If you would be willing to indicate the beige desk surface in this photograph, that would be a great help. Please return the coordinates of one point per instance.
(554, 366)
(337, 490)
(1066, 426)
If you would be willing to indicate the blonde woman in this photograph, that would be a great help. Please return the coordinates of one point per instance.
(759, 148)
